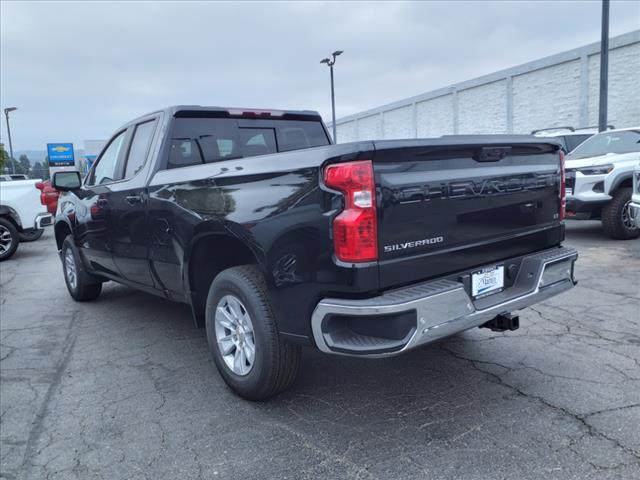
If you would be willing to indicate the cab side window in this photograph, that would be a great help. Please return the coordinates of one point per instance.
(105, 170)
(139, 148)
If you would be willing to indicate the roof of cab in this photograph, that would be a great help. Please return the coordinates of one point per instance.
(199, 108)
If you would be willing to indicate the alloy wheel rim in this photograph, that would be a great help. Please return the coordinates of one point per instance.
(627, 218)
(5, 239)
(234, 335)
(70, 269)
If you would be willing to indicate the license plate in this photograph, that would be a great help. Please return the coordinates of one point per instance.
(487, 281)
(569, 191)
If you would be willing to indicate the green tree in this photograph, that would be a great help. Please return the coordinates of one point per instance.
(38, 171)
(4, 158)
(25, 164)
(14, 166)
(45, 167)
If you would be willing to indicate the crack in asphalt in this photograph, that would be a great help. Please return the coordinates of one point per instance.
(581, 419)
(38, 422)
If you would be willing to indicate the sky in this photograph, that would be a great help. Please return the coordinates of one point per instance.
(78, 70)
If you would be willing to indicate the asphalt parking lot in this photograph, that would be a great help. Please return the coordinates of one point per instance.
(123, 388)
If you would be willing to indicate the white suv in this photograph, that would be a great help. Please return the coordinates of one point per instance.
(599, 180)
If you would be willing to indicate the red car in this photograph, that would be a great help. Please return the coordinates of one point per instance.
(48, 196)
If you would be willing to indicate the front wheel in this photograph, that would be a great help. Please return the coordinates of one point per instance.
(82, 286)
(9, 239)
(243, 336)
(617, 220)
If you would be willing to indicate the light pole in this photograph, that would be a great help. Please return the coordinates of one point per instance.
(330, 64)
(6, 114)
(604, 67)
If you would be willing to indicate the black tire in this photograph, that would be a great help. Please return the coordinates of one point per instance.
(85, 287)
(616, 220)
(276, 362)
(9, 239)
(31, 235)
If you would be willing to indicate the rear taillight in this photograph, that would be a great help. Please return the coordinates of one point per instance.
(563, 188)
(40, 186)
(355, 229)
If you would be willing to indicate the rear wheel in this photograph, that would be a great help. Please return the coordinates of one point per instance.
(9, 239)
(82, 286)
(617, 220)
(243, 336)
(31, 235)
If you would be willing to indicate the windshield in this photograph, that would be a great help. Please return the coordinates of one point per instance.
(572, 141)
(608, 142)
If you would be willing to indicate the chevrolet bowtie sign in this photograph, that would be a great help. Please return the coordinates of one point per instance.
(60, 154)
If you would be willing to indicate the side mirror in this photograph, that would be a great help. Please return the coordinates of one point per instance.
(66, 181)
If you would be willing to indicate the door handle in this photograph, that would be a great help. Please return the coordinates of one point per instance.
(133, 199)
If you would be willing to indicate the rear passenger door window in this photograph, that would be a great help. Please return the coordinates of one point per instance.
(139, 149)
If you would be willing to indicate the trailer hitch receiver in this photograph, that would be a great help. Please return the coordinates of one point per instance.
(503, 322)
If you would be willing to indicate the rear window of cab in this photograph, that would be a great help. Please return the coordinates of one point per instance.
(205, 140)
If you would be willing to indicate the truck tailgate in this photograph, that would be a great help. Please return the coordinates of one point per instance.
(453, 203)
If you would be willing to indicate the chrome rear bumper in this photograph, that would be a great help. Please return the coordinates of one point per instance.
(436, 309)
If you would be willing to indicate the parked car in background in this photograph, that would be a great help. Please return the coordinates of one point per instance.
(13, 176)
(276, 238)
(599, 180)
(568, 137)
(21, 213)
(48, 196)
(635, 197)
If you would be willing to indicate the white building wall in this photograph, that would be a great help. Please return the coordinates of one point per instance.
(370, 127)
(483, 109)
(398, 123)
(346, 132)
(561, 90)
(434, 117)
(624, 81)
(547, 97)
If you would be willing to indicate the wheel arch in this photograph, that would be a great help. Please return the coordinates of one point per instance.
(209, 255)
(623, 181)
(11, 215)
(61, 230)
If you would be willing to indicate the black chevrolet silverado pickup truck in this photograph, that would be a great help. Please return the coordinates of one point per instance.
(278, 239)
